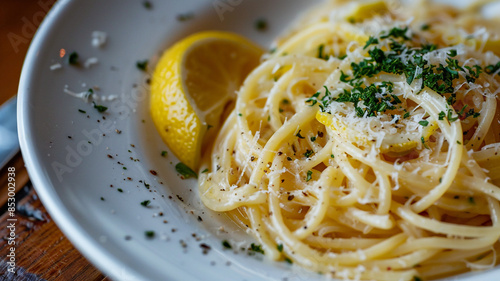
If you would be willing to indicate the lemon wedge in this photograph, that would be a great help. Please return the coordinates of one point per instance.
(193, 84)
(364, 11)
(396, 144)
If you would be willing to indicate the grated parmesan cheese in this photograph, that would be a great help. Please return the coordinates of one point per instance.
(99, 39)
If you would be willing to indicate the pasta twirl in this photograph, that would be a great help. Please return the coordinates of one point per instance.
(367, 143)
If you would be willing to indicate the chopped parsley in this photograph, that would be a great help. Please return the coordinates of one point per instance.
(149, 234)
(100, 108)
(164, 153)
(185, 171)
(299, 135)
(308, 153)
(288, 260)
(279, 247)
(226, 244)
(423, 142)
(472, 113)
(204, 171)
(145, 203)
(397, 32)
(256, 248)
(424, 123)
(374, 99)
(372, 40)
(82, 111)
(321, 52)
(309, 176)
(147, 5)
(142, 65)
(490, 69)
(450, 116)
(73, 58)
(313, 139)
(261, 25)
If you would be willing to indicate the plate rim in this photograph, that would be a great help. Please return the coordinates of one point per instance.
(81, 239)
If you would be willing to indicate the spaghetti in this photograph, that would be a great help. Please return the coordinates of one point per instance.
(366, 145)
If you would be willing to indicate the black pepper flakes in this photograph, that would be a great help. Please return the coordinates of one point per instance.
(206, 248)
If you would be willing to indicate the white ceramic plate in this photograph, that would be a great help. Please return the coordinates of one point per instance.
(78, 173)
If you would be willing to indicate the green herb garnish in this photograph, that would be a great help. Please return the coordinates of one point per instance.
(73, 58)
(424, 123)
(142, 65)
(100, 108)
(371, 41)
(226, 244)
(321, 52)
(299, 135)
(261, 25)
(309, 176)
(256, 248)
(280, 247)
(147, 5)
(308, 153)
(185, 171)
(145, 203)
(423, 142)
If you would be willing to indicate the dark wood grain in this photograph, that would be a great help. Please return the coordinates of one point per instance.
(22, 177)
(42, 251)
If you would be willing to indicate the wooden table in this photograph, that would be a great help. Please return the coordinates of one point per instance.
(42, 251)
